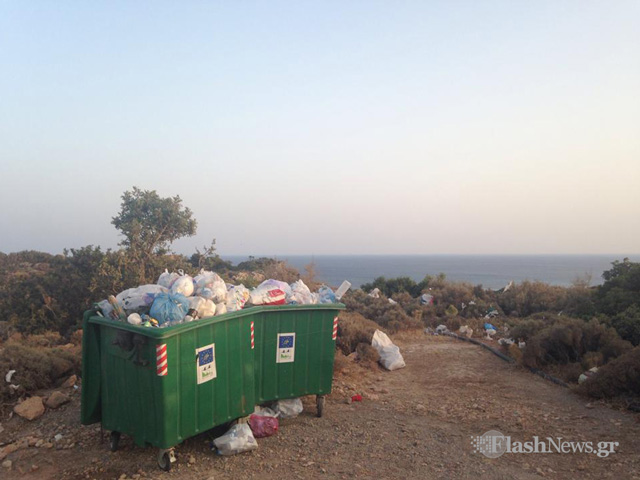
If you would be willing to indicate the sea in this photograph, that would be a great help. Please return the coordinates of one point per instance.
(490, 271)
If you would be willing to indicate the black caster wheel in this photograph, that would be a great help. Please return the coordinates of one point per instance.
(320, 405)
(114, 441)
(165, 459)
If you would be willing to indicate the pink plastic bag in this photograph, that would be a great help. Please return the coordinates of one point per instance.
(263, 426)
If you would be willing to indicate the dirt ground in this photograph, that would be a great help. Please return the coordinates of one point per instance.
(417, 422)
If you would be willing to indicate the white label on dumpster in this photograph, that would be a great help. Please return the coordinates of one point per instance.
(286, 347)
(206, 363)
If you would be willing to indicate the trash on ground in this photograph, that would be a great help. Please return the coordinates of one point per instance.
(426, 299)
(441, 329)
(375, 293)
(356, 398)
(505, 342)
(8, 376)
(238, 439)
(288, 408)
(263, 426)
(466, 331)
(390, 357)
(587, 375)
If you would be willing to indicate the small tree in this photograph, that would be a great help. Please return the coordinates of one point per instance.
(150, 224)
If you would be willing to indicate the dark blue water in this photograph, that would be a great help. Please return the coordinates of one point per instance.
(492, 271)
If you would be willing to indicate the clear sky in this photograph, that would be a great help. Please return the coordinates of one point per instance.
(325, 127)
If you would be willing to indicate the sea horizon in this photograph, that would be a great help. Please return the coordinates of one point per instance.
(489, 270)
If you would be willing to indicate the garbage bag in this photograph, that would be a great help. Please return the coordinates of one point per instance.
(166, 279)
(139, 298)
(301, 295)
(213, 283)
(183, 286)
(237, 296)
(264, 411)
(326, 295)
(289, 408)
(221, 309)
(169, 308)
(207, 309)
(238, 439)
(390, 357)
(263, 426)
(269, 292)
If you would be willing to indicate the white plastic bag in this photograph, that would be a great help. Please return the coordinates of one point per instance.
(238, 439)
(301, 295)
(207, 309)
(289, 408)
(390, 357)
(236, 298)
(221, 309)
(212, 282)
(270, 292)
(183, 286)
(264, 411)
(166, 279)
(139, 297)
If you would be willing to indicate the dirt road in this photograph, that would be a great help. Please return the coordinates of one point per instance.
(417, 422)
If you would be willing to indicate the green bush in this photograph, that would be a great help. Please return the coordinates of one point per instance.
(621, 376)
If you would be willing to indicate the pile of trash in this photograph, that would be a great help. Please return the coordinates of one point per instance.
(263, 422)
(177, 298)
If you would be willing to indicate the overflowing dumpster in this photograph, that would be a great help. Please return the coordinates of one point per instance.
(162, 386)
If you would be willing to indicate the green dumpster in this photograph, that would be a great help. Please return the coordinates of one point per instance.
(162, 386)
(294, 351)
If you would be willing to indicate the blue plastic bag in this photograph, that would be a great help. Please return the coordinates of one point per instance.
(488, 326)
(326, 295)
(169, 308)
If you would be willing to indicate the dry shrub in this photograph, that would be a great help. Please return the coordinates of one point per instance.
(353, 329)
(569, 340)
(37, 367)
(340, 362)
(282, 271)
(515, 352)
(453, 323)
(527, 298)
(367, 355)
(392, 317)
(621, 376)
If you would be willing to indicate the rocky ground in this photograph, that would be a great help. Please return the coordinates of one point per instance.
(417, 422)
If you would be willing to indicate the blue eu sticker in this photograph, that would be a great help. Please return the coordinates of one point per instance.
(205, 356)
(286, 341)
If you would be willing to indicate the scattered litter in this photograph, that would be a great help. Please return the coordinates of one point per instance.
(587, 375)
(263, 426)
(522, 345)
(390, 357)
(392, 301)
(505, 342)
(375, 293)
(264, 411)
(238, 439)
(491, 313)
(441, 330)
(426, 299)
(58, 437)
(8, 376)
(466, 331)
(288, 408)
(356, 398)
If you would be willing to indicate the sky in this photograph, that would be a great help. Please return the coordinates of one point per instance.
(335, 127)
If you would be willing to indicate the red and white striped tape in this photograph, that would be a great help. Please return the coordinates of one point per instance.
(161, 360)
(335, 328)
(252, 339)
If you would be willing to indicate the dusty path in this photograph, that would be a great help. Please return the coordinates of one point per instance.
(413, 423)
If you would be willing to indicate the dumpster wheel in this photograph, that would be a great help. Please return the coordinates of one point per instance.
(320, 404)
(165, 458)
(114, 441)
